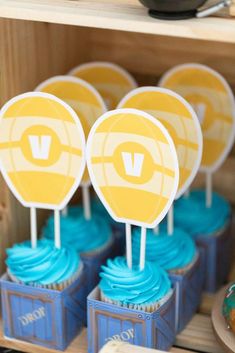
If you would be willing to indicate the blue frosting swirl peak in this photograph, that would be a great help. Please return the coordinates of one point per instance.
(44, 264)
(133, 286)
(195, 218)
(171, 252)
(83, 235)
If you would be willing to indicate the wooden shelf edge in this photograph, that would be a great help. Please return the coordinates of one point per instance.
(129, 16)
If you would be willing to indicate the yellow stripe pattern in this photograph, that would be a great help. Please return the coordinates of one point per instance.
(110, 83)
(202, 87)
(177, 119)
(140, 198)
(36, 180)
(82, 99)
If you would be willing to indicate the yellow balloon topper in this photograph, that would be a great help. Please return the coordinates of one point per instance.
(212, 99)
(111, 80)
(42, 150)
(82, 97)
(133, 166)
(179, 119)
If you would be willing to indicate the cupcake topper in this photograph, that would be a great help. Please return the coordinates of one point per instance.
(180, 120)
(112, 81)
(133, 167)
(212, 99)
(88, 105)
(42, 155)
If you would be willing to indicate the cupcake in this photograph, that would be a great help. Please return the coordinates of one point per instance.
(143, 290)
(92, 239)
(44, 266)
(210, 228)
(43, 294)
(177, 254)
(132, 305)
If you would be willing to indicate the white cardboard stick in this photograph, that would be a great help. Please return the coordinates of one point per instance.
(208, 190)
(86, 202)
(156, 230)
(170, 221)
(142, 247)
(33, 226)
(57, 229)
(128, 246)
(65, 211)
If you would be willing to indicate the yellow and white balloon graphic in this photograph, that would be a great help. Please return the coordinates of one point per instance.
(212, 99)
(42, 150)
(133, 166)
(179, 119)
(110, 80)
(82, 97)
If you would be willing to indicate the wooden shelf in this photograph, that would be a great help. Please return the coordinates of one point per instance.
(125, 15)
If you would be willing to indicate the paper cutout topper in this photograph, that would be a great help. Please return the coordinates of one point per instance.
(212, 99)
(133, 166)
(82, 97)
(42, 150)
(110, 80)
(179, 119)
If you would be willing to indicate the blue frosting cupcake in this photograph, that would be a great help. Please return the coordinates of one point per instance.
(83, 235)
(175, 253)
(192, 215)
(44, 266)
(133, 288)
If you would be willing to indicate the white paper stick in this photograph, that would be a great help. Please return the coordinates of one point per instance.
(128, 245)
(170, 221)
(65, 211)
(33, 227)
(208, 190)
(86, 202)
(57, 229)
(142, 247)
(156, 230)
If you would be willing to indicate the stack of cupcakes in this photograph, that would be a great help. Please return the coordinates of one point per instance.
(205, 215)
(133, 302)
(92, 239)
(165, 245)
(95, 237)
(43, 295)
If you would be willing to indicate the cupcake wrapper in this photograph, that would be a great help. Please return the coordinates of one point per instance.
(149, 308)
(54, 286)
(183, 270)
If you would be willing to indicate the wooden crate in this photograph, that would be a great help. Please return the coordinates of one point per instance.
(188, 291)
(46, 317)
(42, 38)
(153, 330)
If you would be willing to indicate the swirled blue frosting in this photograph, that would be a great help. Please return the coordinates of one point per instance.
(132, 286)
(79, 233)
(195, 218)
(171, 252)
(43, 265)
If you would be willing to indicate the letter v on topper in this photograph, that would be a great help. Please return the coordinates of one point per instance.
(141, 191)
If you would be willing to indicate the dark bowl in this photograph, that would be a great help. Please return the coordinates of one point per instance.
(173, 6)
